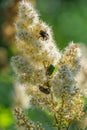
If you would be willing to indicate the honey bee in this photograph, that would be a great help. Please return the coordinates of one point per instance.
(44, 35)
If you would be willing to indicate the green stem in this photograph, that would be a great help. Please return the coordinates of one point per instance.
(68, 125)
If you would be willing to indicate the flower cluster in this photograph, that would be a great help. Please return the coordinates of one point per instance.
(48, 75)
(71, 105)
(82, 77)
(24, 122)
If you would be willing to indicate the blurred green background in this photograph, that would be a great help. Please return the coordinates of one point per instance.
(68, 19)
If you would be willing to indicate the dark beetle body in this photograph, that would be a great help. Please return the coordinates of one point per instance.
(44, 35)
(44, 90)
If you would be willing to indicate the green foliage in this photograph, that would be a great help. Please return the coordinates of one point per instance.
(5, 3)
(68, 19)
(43, 117)
(5, 117)
(6, 88)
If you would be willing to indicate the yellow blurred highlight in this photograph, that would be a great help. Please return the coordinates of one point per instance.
(6, 118)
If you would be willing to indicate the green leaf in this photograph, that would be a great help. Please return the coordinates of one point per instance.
(5, 117)
(46, 119)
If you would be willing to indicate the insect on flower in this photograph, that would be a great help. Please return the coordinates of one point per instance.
(50, 69)
(44, 35)
(45, 88)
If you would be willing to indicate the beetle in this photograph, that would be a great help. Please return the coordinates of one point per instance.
(44, 35)
(45, 88)
(50, 69)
